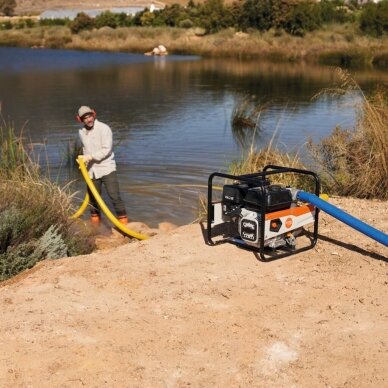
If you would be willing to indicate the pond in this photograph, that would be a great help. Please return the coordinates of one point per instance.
(171, 116)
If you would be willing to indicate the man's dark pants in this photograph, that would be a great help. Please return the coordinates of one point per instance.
(111, 185)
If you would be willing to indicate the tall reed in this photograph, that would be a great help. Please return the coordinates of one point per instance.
(246, 119)
(13, 154)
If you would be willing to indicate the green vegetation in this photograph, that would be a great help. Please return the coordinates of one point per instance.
(374, 18)
(338, 45)
(333, 32)
(349, 162)
(34, 212)
(295, 17)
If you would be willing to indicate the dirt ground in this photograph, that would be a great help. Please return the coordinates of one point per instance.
(174, 312)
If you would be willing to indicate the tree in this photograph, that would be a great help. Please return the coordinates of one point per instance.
(7, 7)
(374, 18)
(81, 22)
(256, 14)
(214, 16)
(302, 18)
(107, 19)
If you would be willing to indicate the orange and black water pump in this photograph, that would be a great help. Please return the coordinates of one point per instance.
(261, 216)
(256, 214)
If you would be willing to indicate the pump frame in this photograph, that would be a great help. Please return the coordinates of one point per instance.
(267, 171)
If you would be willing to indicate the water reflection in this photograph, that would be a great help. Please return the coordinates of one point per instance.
(171, 116)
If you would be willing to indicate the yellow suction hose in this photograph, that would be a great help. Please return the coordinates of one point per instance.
(106, 210)
(103, 206)
(82, 208)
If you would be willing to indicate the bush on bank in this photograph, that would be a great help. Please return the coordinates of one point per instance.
(34, 212)
(355, 162)
(374, 19)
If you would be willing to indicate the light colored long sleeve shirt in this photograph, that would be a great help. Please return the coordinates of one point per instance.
(97, 142)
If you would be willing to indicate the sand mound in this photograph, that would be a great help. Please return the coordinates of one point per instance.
(174, 312)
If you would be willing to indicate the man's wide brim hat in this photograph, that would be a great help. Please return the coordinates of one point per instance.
(84, 110)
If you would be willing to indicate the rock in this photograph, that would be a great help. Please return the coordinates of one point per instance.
(199, 31)
(159, 51)
(166, 226)
(140, 227)
(162, 50)
(240, 34)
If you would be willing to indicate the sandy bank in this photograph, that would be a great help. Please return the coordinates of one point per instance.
(174, 312)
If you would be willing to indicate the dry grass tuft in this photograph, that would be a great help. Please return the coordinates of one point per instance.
(355, 162)
(34, 212)
(256, 160)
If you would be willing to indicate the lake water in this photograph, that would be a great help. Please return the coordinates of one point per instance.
(171, 116)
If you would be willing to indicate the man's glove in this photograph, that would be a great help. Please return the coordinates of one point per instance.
(86, 158)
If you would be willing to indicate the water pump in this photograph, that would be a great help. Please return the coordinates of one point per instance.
(269, 218)
(260, 216)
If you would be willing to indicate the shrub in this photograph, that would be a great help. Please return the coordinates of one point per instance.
(355, 162)
(6, 25)
(7, 7)
(81, 22)
(374, 18)
(256, 14)
(20, 24)
(54, 22)
(186, 23)
(147, 18)
(108, 19)
(302, 18)
(334, 12)
(171, 14)
(214, 16)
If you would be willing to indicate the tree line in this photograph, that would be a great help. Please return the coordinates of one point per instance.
(296, 17)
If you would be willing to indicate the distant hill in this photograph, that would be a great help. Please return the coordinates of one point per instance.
(37, 6)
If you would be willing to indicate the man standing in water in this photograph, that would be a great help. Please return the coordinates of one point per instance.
(97, 141)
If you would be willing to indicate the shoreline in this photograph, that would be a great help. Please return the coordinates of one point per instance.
(325, 47)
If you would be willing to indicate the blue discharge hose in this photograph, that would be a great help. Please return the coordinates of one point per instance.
(344, 217)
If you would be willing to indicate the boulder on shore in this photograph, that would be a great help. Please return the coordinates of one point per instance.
(159, 51)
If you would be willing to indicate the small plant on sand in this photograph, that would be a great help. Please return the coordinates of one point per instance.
(202, 208)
